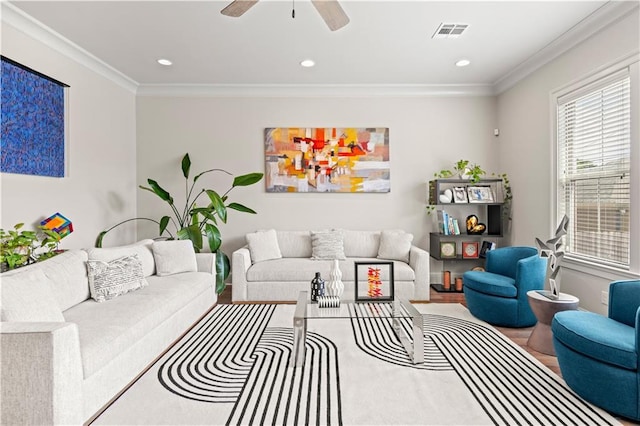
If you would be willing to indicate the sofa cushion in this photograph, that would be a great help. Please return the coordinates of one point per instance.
(395, 245)
(68, 272)
(28, 296)
(108, 280)
(294, 243)
(489, 283)
(263, 245)
(301, 270)
(327, 245)
(174, 257)
(142, 248)
(361, 243)
(107, 329)
(597, 337)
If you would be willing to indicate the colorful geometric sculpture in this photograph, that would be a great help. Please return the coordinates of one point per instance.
(58, 224)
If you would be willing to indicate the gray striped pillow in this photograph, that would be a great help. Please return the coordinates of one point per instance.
(327, 245)
(108, 280)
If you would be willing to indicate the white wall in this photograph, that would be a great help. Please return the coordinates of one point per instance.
(426, 135)
(100, 187)
(525, 145)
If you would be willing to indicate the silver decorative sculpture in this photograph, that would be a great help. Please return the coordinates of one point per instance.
(551, 250)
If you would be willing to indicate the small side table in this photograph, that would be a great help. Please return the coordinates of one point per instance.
(541, 338)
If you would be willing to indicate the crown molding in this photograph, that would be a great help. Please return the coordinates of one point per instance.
(592, 24)
(23, 22)
(601, 18)
(314, 90)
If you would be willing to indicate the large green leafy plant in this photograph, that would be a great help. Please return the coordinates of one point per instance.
(194, 222)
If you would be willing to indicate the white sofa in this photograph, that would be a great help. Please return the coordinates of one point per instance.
(281, 279)
(63, 372)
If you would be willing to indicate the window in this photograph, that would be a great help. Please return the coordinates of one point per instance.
(594, 165)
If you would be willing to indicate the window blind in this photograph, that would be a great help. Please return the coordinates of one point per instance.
(594, 160)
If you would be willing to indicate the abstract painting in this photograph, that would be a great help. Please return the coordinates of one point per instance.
(33, 119)
(348, 159)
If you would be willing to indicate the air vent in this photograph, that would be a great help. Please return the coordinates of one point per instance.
(450, 30)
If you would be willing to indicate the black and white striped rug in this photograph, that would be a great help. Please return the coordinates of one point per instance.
(233, 368)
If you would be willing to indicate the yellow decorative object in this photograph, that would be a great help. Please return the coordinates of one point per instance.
(473, 226)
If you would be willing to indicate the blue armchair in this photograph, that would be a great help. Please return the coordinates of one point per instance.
(598, 355)
(499, 295)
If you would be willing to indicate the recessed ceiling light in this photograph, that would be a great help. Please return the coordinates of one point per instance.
(463, 63)
(307, 63)
(164, 62)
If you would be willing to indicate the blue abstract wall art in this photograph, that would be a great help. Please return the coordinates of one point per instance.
(33, 118)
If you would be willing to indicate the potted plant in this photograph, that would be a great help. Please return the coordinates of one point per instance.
(194, 222)
(20, 247)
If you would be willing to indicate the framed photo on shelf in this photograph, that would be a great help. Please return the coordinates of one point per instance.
(374, 281)
(486, 246)
(480, 194)
(470, 250)
(448, 250)
(460, 195)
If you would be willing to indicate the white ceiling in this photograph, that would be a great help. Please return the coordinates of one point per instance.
(386, 42)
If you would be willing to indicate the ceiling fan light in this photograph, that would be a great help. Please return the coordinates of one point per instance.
(307, 63)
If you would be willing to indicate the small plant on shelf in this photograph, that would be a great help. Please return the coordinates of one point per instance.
(464, 171)
(508, 196)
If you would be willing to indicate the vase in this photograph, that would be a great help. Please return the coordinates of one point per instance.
(335, 286)
(317, 287)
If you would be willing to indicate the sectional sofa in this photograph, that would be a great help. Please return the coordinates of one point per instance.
(65, 355)
(277, 265)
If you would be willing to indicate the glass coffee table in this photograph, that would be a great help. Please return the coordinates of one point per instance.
(397, 311)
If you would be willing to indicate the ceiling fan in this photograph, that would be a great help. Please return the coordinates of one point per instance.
(330, 10)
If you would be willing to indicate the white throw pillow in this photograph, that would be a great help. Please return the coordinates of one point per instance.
(263, 245)
(327, 245)
(174, 257)
(141, 248)
(108, 280)
(395, 245)
(28, 296)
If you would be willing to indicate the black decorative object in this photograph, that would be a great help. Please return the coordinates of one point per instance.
(473, 226)
(317, 287)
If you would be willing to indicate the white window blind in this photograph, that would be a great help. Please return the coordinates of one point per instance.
(594, 160)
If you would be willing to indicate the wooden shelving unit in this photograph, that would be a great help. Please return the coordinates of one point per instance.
(490, 212)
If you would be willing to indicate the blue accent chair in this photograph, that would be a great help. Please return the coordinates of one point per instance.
(499, 295)
(598, 355)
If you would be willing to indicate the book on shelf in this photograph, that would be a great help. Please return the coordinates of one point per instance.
(441, 221)
(447, 225)
(456, 227)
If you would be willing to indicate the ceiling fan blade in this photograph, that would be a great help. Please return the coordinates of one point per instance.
(332, 13)
(238, 7)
